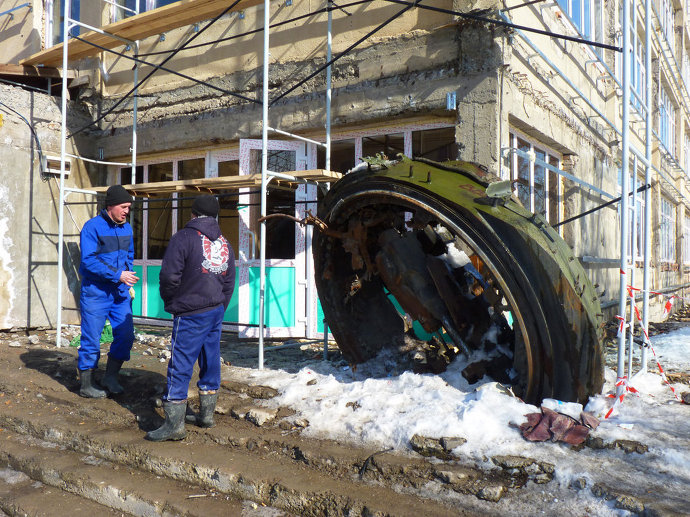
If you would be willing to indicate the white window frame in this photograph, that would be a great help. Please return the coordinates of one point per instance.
(667, 14)
(667, 121)
(535, 147)
(686, 238)
(667, 231)
(49, 21)
(592, 10)
(638, 222)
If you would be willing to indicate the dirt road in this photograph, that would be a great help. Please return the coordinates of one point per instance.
(62, 454)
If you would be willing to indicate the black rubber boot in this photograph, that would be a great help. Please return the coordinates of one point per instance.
(207, 406)
(89, 388)
(173, 427)
(110, 381)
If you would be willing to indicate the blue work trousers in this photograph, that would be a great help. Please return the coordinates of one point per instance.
(195, 337)
(99, 303)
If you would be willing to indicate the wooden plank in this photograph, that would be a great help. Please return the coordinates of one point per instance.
(34, 71)
(211, 185)
(149, 23)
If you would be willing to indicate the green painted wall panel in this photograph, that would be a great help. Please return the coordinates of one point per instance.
(154, 304)
(280, 296)
(319, 316)
(232, 313)
(138, 296)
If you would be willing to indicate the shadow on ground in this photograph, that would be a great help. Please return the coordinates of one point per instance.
(142, 387)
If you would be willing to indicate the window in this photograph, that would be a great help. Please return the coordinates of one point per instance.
(667, 232)
(55, 18)
(635, 217)
(685, 70)
(638, 73)
(534, 167)
(229, 216)
(435, 144)
(280, 231)
(667, 121)
(342, 156)
(686, 238)
(187, 170)
(159, 213)
(587, 16)
(388, 145)
(136, 212)
(668, 21)
(126, 8)
(686, 153)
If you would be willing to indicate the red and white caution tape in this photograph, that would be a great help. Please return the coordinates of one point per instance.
(621, 382)
(648, 344)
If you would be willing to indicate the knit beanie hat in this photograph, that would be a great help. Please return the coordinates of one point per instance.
(206, 205)
(116, 195)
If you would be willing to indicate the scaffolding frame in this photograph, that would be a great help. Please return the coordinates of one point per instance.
(670, 68)
(266, 176)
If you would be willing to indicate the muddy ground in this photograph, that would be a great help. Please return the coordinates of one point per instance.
(61, 454)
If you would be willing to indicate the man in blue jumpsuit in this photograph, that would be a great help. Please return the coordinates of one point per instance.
(197, 279)
(107, 256)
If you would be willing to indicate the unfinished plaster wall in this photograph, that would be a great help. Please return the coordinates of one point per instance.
(29, 212)
(421, 69)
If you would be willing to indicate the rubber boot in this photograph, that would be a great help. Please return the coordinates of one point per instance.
(207, 406)
(89, 388)
(173, 427)
(110, 381)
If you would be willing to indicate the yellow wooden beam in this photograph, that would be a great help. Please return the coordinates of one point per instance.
(212, 185)
(141, 26)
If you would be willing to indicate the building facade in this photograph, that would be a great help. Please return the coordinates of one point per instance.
(532, 92)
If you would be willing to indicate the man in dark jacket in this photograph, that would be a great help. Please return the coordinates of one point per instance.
(107, 256)
(197, 279)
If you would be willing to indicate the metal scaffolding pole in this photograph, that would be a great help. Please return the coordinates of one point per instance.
(63, 151)
(264, 183)
(329, 93)
(625, 167)
(647, 177)
(633, 247)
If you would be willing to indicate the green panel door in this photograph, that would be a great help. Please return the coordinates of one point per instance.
(280, 296)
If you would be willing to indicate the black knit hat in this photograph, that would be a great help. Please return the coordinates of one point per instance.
(116, 195)
(206, 205)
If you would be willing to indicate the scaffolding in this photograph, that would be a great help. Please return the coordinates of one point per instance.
(130, 31)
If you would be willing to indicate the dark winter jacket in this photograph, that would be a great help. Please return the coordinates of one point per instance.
(198, 271)
(107, 249)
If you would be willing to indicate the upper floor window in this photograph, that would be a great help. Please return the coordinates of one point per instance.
(668, 20)
(685, 71)
(667, 121)
(635, 217)
(638, 72)
(532, 167)
(587, 16)
(55, 18)
(667, 227)
(126, 8)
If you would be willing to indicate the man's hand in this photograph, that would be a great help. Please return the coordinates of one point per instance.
(129, 278)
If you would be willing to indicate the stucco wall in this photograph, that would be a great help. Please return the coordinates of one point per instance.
(29, 212)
